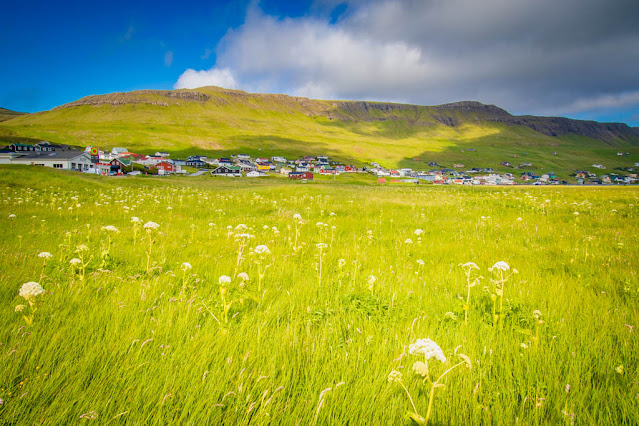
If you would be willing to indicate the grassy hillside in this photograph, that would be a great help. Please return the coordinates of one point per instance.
(220, 122)
(6, 114)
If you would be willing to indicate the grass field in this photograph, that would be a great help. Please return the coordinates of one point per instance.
(194, 321)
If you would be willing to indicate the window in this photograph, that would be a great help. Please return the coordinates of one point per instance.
(57, 166)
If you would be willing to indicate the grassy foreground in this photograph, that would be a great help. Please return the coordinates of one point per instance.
(131, 334)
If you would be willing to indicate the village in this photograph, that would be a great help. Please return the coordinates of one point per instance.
(121, 162)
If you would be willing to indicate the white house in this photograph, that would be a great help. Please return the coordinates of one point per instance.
(255, 173)
(278, 159)
(117, 151)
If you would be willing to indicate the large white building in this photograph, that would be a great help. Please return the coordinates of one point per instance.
(60, 159)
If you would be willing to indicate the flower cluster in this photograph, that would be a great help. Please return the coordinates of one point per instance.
(30, 290)
(428, 348)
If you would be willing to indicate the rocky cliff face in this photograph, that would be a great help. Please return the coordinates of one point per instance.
(551, 126)
(149, 97)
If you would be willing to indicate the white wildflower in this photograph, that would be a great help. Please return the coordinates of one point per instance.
(224, 279)
(536, 314)
(471, 265)
(297, 216)
(111, 228)
(420, 262)
(151, 225)
(186, 266)
(135, 219)
(321, 245)
(428, 348)
(418, 232)
(45, 255)
(243, 275)
(394, 376)
(420, 368)
(75, 261)
(371, 279)
(12, 216)
(262, 249)
(20, 308)
(30, 290)
(501, 265)
(408, 241)
(341, 263)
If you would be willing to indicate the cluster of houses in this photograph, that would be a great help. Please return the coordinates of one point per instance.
(120, 161)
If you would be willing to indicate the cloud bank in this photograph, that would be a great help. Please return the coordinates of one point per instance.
(532, 56)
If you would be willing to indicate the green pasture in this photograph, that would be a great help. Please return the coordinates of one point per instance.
(352, 275)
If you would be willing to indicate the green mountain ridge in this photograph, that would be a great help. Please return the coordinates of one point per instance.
(217, 121)
(7, 114)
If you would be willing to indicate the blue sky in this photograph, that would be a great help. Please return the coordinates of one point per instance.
(580, 61)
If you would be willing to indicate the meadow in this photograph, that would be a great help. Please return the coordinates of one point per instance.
(208, 301)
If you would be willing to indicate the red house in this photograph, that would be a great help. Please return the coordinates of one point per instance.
(166, 167)
(301, 175)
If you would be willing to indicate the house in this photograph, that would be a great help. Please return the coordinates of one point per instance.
(196, 161)
(246, 166)
(65, 160)
(255, 173)
(166, 167)
(21, 147)
(120, 165)
(285, 171)
(117, 151)
(301, 175)
(278, 159)
(458, 165)
(224, 162)
(350, 169)
(229, 171)
(45, 146)
(505, 164)
(243, 157)
(327, 171)
(162, 154)
(264, 167)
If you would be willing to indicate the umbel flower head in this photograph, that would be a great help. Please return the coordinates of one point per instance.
(473, 265)
(395, 376)
(151, 225)
(111, 228)
(45, 255)
(428, 348)
(30, 290)
(75, 261)
(501, 266)
(224, 279)
(262, 249)
(186, 266)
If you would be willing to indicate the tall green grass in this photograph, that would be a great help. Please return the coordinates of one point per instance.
(130, 345)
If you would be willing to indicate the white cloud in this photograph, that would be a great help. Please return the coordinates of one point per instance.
(191, 79)
(527, 56)
(615, 101)
(168, 58)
